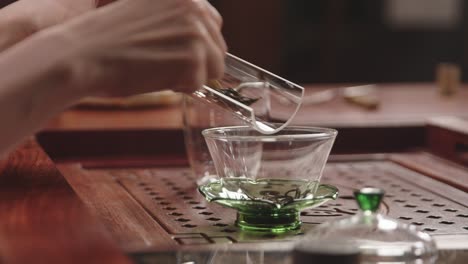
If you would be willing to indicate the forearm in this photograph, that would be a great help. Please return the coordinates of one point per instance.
(15, 24)
(25, 17)
(36, 82)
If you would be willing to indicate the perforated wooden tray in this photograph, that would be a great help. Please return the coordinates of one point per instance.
(158, 208)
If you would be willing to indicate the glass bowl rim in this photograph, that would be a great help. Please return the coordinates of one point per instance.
(310, 133)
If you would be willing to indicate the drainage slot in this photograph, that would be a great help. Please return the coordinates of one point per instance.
(405, 218)
(434, 217)
(206, 213)
(175, 214)
(447, 222)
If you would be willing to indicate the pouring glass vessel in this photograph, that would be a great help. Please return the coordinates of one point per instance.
(263, 100)
(246, 95)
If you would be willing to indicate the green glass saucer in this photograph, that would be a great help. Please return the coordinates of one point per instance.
(258, 211)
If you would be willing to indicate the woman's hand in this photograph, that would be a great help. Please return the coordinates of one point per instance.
(127, 47)
(136, 46)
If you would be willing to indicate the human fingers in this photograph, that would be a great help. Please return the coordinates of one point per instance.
(215, 14)
(213, 55)
(135, 46)
(212, 21)
(215, 45)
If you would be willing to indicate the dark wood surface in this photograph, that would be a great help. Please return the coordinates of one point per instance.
(130, 225)
(435, 167)
(401, 105)
(42, 219)
(448, 137)
(159, 207)
(105, 154)
(397, 125)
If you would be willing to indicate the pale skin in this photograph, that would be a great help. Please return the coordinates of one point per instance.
(55, 52)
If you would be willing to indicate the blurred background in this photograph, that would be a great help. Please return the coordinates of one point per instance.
(334, 41)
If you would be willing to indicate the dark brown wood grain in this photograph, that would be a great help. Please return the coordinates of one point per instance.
(144, 146)
(397, 125)
(435, 167)
(42, 220)
(157, 208)
(164, 117)
(107, 154)
(128, 223)
(448, 137)
(401, 105)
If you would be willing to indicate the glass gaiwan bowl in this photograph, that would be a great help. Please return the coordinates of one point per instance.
(269, 179)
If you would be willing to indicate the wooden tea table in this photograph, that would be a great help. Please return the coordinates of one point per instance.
(115, 185)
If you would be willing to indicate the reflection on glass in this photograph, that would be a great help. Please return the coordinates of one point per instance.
(263, 100)
(268, 179)
(377, 238)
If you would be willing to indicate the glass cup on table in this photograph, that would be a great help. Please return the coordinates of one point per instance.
(269, 179)
(246, 95)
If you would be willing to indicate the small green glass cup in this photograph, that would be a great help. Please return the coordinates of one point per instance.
(269, 179)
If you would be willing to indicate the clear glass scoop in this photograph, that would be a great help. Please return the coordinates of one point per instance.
(377, 238)
(265, 101)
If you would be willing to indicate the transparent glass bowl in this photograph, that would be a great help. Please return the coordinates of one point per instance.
(268, 179)
(375, 237)
(198, 116)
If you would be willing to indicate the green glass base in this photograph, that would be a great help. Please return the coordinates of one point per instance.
(259, 214)
(273, 223)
